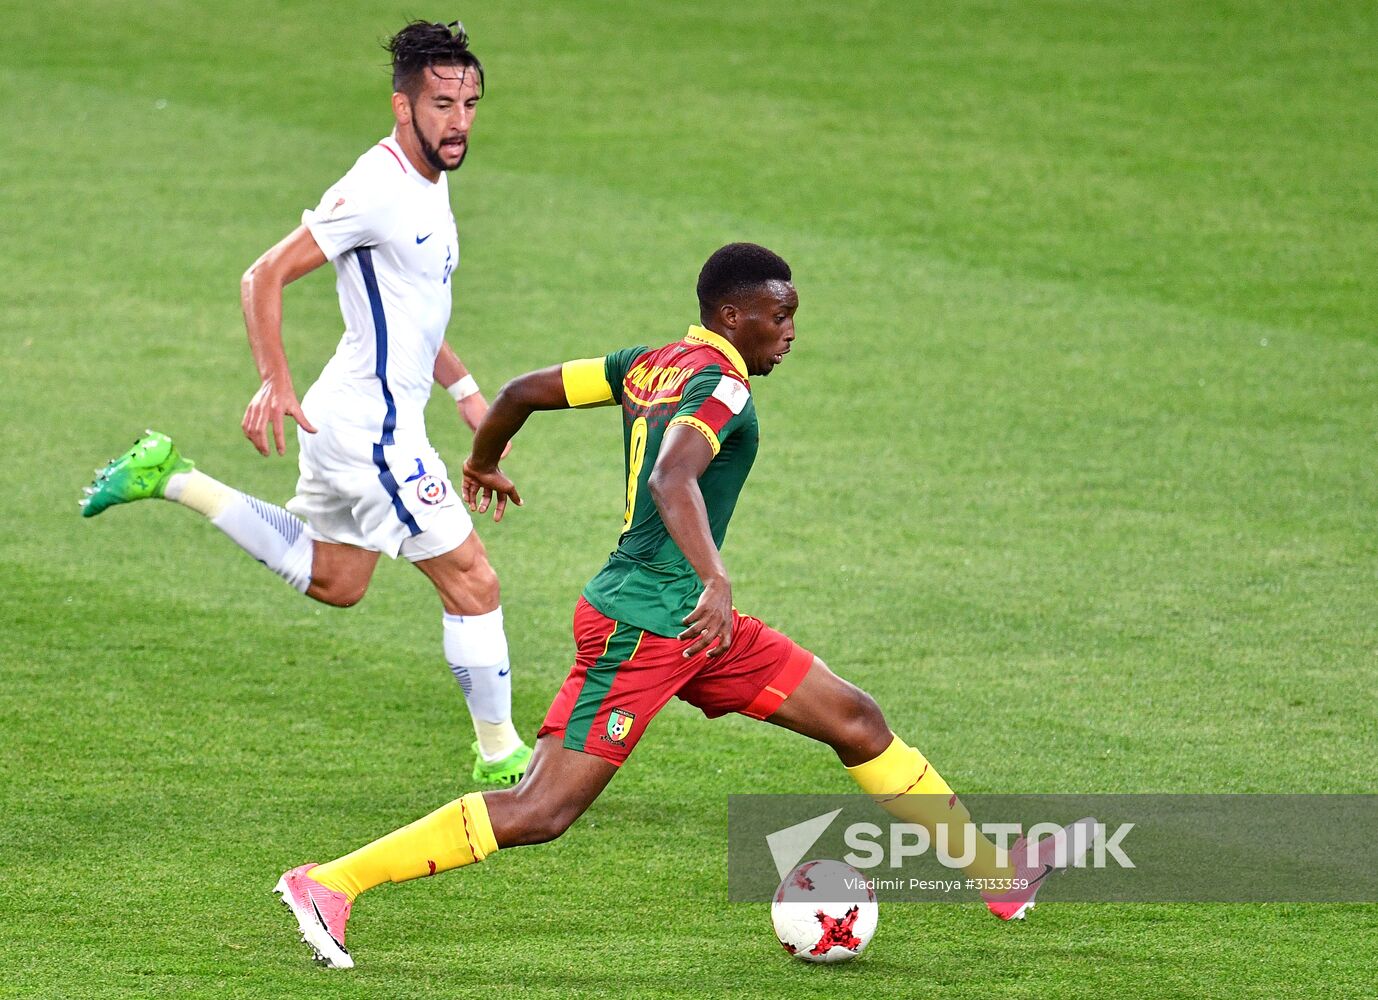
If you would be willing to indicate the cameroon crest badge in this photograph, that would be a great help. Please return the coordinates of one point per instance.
(619, 725)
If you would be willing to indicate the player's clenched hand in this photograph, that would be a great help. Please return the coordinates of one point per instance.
(481, 486)
(711, 620)
(273, 401)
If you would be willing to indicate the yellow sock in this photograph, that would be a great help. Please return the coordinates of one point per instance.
(906, 786)
(455, 835)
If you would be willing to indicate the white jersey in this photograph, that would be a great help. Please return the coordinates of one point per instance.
(369, 477)
(391, 236)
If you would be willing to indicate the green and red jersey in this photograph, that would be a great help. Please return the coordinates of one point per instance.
(700, 382)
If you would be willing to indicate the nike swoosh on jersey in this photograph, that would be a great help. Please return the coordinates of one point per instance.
(423, 239)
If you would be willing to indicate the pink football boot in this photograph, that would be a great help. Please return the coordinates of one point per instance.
(321, 914)
(1071, 842)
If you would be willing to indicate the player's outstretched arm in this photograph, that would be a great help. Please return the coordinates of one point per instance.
(523, 396)
(260, 295)
(674, 486)
(456, 379)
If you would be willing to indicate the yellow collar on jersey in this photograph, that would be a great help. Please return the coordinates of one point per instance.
(698, 335)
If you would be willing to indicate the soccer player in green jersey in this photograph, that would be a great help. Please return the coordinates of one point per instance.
(657, 621)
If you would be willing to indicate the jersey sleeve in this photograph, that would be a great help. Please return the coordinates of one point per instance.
(598, 381)
(714, 404)
(351, 214)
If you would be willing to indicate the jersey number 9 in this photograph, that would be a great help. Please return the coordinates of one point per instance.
(636, 455)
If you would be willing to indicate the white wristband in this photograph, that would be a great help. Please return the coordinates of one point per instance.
(463, 389)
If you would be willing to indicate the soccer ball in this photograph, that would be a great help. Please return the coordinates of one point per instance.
(824, 911)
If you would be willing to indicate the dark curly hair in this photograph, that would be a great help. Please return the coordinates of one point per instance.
(422, 44)
(737, 268)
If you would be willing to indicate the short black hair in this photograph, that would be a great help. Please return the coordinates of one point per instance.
(422, 44)
(736, 268)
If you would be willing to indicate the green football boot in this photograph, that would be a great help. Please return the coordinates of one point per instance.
(140, 473)
(502, 773)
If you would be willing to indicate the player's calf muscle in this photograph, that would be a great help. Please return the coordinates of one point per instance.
(526, 827)
(521, 820)
(558, 788)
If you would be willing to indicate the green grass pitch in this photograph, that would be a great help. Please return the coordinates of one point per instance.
(1073, 467)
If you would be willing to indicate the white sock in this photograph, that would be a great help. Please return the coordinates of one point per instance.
(267, 532)
(476, 649)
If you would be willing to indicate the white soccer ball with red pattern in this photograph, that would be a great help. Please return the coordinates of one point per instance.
(824, 911)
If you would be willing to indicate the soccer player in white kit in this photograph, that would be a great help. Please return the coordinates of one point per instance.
(370, 482)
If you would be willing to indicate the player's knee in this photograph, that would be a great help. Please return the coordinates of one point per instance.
(476, 592)
(483, 584)
(338, 593)
(467, 582)
(861, 726)
(866, 713)
(351, 597)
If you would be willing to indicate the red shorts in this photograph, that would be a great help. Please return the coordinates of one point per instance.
(623, 676)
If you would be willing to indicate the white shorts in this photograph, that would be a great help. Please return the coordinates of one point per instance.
(396, 499)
